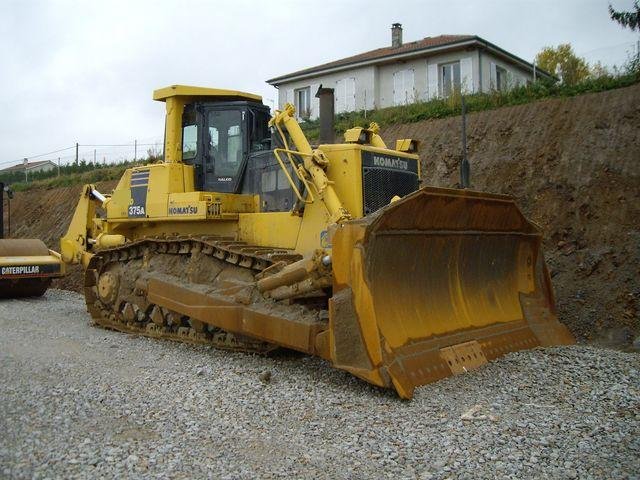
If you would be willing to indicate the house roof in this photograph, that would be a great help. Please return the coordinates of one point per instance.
(30, 166)
(381, 55)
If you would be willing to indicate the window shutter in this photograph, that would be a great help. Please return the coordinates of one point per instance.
(397, 88)
(350, 94)
(466, 75)
(493, 83)
(409, 94)
(432, 81)
(315, 102)
(339, 96)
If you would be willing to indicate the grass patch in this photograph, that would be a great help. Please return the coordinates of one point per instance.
(451, 106)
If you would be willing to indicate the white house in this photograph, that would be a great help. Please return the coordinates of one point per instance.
(405, 73)
(41, 166)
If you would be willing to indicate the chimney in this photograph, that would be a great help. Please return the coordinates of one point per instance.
(396, 35)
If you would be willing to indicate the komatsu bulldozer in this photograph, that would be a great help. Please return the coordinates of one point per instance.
(27, 266)
(246, 237)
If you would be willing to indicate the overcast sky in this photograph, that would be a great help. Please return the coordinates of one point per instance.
(85, 71)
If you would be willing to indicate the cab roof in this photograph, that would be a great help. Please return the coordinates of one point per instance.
(214, 94)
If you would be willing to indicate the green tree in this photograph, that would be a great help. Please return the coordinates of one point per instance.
(573, 69)
(627, 19)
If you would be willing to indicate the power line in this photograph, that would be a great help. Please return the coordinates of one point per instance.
(38, 155)
(608, 47)
(121, 145)
(50, 153)
(118, 145)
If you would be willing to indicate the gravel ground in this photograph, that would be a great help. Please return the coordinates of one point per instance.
(81, 402)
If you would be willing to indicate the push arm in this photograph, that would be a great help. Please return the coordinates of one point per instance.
(314, 161)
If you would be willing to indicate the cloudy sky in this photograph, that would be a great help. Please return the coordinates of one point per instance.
(84, 71)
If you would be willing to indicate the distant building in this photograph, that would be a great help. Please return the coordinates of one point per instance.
(43, 166)
(406, 73)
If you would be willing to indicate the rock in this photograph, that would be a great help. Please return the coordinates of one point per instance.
(571, 473)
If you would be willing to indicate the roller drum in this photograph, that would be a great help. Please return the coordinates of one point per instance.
(23, 287)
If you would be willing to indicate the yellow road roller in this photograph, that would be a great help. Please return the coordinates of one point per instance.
(27, 266)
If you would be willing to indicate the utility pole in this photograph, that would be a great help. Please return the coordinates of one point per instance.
(94, 156)
(25, 162)
(9, 197)
(464, 163)
(135, 150)
(76, 153)
(58, 166)
(1, 210)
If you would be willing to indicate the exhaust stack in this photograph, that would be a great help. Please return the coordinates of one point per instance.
(327, 116)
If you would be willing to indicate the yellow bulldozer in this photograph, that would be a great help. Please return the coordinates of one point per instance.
(248, 237)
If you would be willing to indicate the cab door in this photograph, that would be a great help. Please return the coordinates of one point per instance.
(225, 149)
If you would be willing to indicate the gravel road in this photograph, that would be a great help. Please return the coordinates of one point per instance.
(80, 402)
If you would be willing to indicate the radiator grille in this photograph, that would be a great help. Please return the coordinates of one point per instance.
(381, 185)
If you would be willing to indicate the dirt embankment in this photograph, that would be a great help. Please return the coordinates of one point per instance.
(574, 166)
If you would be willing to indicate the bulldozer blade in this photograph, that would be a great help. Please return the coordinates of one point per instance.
(436, 284)
(26, 268)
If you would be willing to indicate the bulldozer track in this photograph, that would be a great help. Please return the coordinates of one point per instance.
(127, 311)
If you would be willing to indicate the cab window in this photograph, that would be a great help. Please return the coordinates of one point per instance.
(189, 136)
(261, 136)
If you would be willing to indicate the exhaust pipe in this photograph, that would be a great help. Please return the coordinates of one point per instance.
(327, 118)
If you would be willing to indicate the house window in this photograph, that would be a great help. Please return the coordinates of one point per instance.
(303, 102)
(501, 79)
(449, 78)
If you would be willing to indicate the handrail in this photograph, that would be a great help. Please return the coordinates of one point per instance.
(299, 173)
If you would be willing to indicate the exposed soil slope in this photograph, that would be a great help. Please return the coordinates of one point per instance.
(574, 166)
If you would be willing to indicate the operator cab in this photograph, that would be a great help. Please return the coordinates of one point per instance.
(217, 138)
(224, 135)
